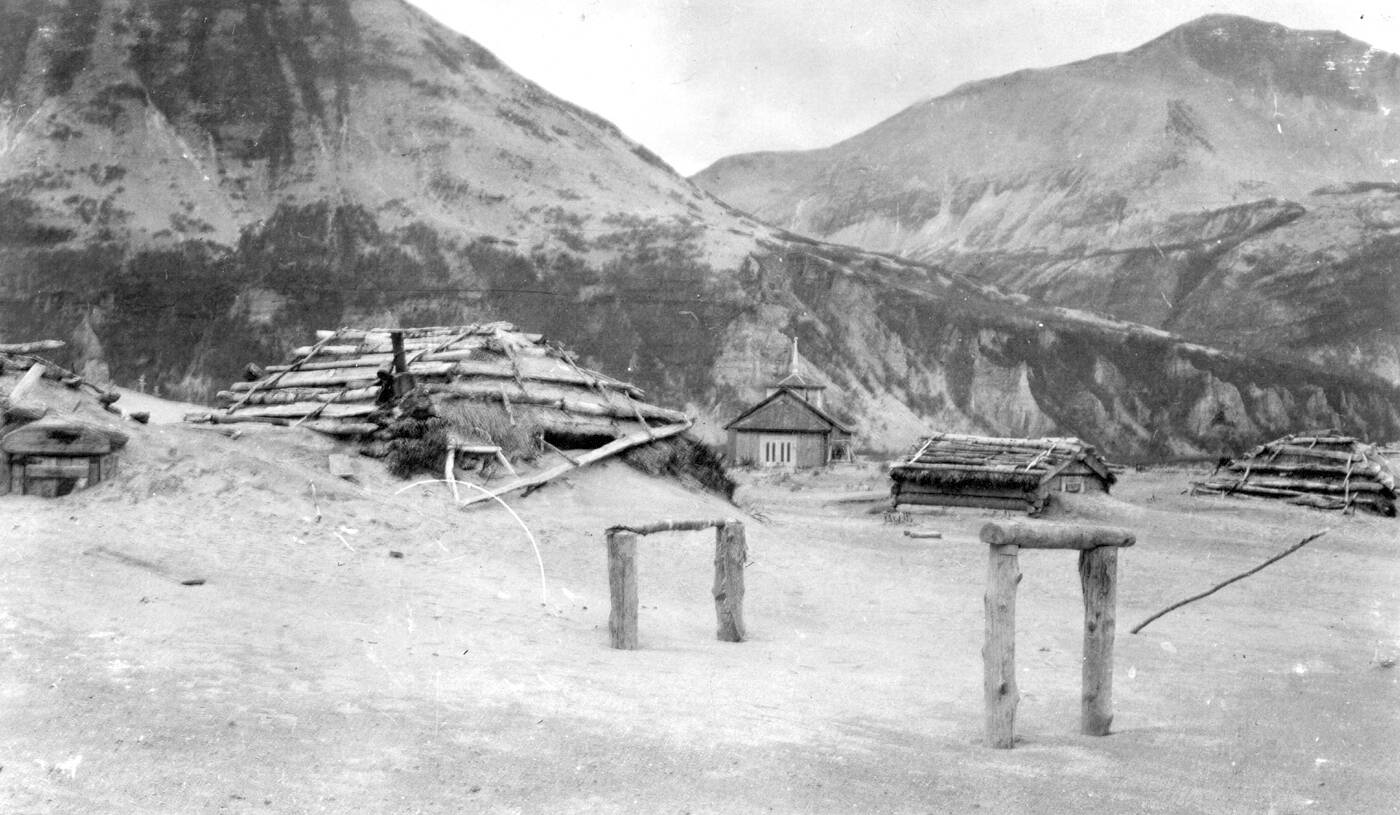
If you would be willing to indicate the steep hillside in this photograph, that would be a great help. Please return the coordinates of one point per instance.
(185, 188)
(1155, 185)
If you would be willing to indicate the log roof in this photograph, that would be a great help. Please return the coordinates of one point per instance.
(958, 459)
(340, 384)
(1320, 469)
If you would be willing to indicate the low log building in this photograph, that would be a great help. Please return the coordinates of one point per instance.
(949, 469)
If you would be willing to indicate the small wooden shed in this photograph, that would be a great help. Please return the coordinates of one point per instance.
(50, 458)
(950, 469)
(786, 430)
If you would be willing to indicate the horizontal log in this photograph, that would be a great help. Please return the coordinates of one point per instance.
(282, 396)
(529, 370)
(378, 359)
(975, 501)
(423, 349)
(77, 467)
(1362, 468)
(574, 400)
(224, 418)
(32, 347)
(333, 427)
(1307, 485)
(997, 441)
(61, 438)
(1011, 469)
(418, 332)
(298, 409)
(1050, 535)
(545, 369)
(1321, 440)
(1308, 452)
(668, 526)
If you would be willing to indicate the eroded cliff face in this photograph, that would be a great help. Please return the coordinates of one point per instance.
(175, 219)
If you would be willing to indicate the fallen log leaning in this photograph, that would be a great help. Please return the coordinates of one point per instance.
(610, 449)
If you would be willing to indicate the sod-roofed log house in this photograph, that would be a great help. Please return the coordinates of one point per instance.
(950, 469)
(1324, 470)
(502, 394)
(347, 384)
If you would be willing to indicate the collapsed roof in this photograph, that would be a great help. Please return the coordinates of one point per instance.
(1320, 469)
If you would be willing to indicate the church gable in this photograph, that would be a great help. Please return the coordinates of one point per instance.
(784, 411)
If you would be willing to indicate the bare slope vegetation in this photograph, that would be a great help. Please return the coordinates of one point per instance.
(1232, 180)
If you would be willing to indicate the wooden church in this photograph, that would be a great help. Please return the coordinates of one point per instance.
(790, 427)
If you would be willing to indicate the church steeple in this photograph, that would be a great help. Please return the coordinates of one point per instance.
(803, 386)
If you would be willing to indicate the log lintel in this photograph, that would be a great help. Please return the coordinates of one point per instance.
(1051, 535)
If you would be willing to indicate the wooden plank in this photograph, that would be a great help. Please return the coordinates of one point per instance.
(1307, 452)
(999, 692)
(27, 382)
(78, 467)
(50, 437)
(267, 383)
(296, 409)
(573, 399)
(1314, 485)
(671, 526)
(1050, 535)
(32, 347)
(610, 449)
(622, 589)
(282, 396)
(974, 501)
(731, 552)
(1098, 577)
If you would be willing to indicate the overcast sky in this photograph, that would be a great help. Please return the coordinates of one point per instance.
(696, 80)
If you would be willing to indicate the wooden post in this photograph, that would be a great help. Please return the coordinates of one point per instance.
(999, 653)
(622, 585)
(403, 380)
(1098, 570)
(731, 551)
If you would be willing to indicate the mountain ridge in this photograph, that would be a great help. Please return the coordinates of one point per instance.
(1119, 182)
(373, 168)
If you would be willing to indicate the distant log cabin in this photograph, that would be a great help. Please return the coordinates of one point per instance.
(949, 469)
(790, 427)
